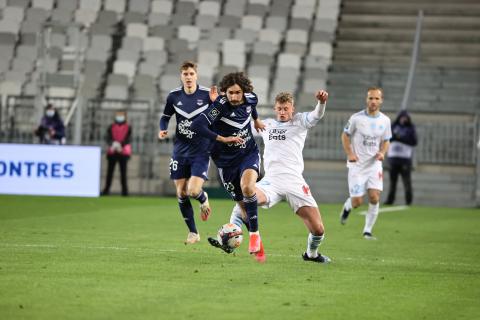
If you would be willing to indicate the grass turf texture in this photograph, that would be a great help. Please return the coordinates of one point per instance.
(124, 258)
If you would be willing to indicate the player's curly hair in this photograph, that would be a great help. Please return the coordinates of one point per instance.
(284, 97)
(234, 78)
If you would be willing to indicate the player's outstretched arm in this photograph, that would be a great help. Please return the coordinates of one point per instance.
(258, 125)
(322, 96)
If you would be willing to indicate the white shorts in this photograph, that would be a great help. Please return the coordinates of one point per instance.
(361, 179)
(296, 192)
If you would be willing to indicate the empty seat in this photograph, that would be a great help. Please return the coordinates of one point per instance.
(115, 5)
(189, 33)
(210, 8)
(85, 16)
(140, 6)
(153, 43)
(289, 60)
(162, 6)
(127, 68)
(156, 19)
(44, 4)
(139, 30)
(252, 22)
(94, 5)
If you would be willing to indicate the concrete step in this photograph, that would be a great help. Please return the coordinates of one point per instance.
(430, 8)
(409, 21)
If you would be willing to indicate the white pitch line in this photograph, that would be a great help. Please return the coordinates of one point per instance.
(389, 209)
(216, 252)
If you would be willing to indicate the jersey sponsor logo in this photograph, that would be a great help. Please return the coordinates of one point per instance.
(213, 114)
(223, 100)
(184, 129)
(277, 134)
(369, 141)
(244, 134)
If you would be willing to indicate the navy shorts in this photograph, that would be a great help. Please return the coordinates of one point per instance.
(231, 176)
(184, 168)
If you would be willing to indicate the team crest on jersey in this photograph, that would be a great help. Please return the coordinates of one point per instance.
(179, 103)
(249, 109)
(199, 102)
(213, 114)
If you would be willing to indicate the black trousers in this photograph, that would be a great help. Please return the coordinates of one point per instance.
(112, 161)
(401, 167)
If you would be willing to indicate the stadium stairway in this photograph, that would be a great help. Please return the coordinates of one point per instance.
(449, 186)
(373, 47)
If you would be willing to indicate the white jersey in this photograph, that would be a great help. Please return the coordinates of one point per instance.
(284, 142)
(366, 134)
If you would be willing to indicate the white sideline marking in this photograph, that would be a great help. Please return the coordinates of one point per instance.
(390, 209)
(212, 252)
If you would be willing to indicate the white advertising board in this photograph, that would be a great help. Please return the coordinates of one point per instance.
(50, 170)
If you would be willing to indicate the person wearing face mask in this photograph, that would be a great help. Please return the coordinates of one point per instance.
(119, 150)
(400, 154)
(51, 129)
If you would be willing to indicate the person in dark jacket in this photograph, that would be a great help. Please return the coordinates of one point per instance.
(51, 129)
(119, 150)
(400, 154)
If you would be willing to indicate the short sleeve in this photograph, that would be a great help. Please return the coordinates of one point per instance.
(388, 130)
(350, 126)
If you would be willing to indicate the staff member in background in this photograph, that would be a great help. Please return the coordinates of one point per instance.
(119, 150)
(400, 154)
(51, 129)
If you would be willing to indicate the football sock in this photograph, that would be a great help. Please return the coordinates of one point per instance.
(187, 212)
(371, 217)
(201, 197)
(236, 217)
(348, 204)
(313, 243)
(252, 212)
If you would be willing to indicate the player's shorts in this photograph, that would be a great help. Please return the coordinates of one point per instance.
(361, 179)
(296, 192)
(231, 176)
(184, 168)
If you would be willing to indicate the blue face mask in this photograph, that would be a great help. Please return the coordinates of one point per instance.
(119, 119)
(50, 113)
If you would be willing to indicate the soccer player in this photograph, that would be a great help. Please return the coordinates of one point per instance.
(284, 139)
(235, 153)
(190, 159)
(365, 141)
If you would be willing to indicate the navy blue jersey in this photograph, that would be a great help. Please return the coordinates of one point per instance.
(186, 107)
(226, 120)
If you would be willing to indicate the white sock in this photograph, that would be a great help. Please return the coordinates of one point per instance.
(236, 217)
(371, 217)
(313, 243)
(348, 204)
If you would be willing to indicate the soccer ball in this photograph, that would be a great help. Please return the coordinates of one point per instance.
(230, 235)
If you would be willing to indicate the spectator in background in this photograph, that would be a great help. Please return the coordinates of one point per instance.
(51, 129)
(404, 138)
(118, 139)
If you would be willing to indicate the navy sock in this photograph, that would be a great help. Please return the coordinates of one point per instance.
(187, 212)
(201, 197)
(252, 212)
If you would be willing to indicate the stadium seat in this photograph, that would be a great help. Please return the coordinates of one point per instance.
(162, 6)
(117, 6)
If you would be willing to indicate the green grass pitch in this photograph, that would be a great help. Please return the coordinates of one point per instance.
(124, 258)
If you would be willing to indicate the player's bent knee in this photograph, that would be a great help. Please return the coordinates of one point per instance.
(248, 190)
(194, 192)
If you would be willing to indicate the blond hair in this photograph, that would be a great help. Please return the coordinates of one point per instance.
(284, 97)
